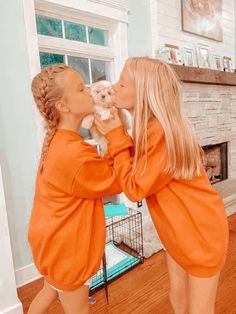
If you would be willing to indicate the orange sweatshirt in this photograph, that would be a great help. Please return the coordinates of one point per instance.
(67, 224)
(189, 216)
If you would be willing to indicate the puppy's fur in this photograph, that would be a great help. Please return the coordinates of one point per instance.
(103, 93)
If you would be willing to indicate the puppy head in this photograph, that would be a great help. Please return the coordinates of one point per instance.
(102, 93)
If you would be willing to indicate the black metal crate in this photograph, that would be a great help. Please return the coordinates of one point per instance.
(124, 248)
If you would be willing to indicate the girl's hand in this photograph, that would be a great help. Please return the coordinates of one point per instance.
(105, 126)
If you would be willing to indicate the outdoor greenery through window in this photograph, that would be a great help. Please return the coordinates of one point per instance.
(91, 69)
(56, 28)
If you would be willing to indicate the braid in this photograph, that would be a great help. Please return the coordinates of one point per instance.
(46, 93)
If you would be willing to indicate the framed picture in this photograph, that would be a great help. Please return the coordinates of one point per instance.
(227, 63)
(175, 56)
(203, 18)
(169, 54)
(204, 56)
(217, 63)
(189, 57)
(162, 54)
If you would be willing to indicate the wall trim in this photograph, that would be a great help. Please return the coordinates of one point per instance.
(26, 274)
(105, 9)
(16, 309)
(9, 301)
(112, 3)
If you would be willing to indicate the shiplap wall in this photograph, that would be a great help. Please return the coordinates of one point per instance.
(166, 28)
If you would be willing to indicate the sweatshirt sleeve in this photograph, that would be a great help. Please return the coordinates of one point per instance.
(139, 186)
(96, 178)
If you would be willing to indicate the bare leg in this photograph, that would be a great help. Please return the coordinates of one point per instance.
(75, 302)
(178, 286)
(202, 294)
(43, 299)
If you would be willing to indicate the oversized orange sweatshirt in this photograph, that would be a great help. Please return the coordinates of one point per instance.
(189, 215)
(67, 225)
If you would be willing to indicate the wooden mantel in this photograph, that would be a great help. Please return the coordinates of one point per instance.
(204, 76)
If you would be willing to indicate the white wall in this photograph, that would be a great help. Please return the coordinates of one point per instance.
(18, 138)
(166, 27)
(139, 28)
(9, 302)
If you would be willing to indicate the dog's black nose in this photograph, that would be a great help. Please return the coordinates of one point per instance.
(103, 96)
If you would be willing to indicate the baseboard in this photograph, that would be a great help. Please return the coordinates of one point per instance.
(26, 275)
(16, 309)
(231, 210)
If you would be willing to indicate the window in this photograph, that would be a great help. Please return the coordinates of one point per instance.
(48, 26)
(75, 32)
(57, 29)
(50, 58)
(58, 35)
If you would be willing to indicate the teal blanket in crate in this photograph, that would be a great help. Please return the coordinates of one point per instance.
(112, 210)
(118, 261)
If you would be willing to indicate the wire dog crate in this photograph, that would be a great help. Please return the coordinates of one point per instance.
(124, 248)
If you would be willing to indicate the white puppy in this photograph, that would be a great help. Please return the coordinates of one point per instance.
(103, 93)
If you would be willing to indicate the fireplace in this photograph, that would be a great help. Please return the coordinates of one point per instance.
(216, 162)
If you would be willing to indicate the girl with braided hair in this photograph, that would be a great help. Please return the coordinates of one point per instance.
(67, 225)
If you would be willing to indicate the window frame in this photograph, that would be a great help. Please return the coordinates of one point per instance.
(103, 14)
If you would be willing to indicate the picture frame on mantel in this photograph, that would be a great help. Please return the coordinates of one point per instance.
(162, 53)
(175, 56)
(189, 57)
(227, 63)
(217, 62)
(169, 54)
(204, 56)
(203, 19)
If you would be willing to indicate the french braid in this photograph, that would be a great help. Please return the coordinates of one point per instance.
(46, 92)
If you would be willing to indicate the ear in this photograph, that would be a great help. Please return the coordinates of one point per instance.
(61, 106)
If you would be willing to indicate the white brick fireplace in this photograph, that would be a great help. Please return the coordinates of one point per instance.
(211, 110)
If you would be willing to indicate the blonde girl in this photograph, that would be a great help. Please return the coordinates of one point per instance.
(67, 225)
(166, 169)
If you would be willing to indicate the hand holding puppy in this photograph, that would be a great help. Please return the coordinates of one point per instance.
(105, 126)
(106, 115)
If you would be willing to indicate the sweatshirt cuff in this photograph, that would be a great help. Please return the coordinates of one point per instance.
(118, 140)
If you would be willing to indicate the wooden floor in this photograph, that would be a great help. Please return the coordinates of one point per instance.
(144, 290)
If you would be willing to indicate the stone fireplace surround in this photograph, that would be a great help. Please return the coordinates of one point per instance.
(210, 106)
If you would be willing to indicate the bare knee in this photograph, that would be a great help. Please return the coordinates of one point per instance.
(75, 302)
(178, 286)
(43, 299)
(202, 294)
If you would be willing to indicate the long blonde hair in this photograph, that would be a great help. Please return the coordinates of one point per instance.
(46, 92)
(158, 94)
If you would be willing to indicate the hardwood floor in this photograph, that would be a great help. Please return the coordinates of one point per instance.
(144, 290)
